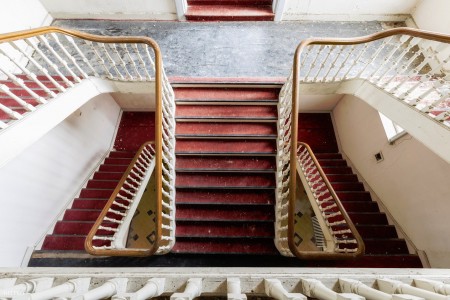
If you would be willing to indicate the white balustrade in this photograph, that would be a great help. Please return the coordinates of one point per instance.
(275, 289)
(234, 289)
(316, 289)
(237, 283)
(153, 288)
(399, 287)
(193, 289)
(72, 286)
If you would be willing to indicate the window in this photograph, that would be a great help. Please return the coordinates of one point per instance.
(393, 131)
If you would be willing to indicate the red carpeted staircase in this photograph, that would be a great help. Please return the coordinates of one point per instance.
(225, 166)
(229, 10)
(70, 232)
(383, 247)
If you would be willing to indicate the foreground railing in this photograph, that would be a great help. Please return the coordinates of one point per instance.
(182, 283)
(411, 65)
(37, 65)
(342, 240)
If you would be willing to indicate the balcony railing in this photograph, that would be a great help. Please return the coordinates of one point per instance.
(37, 65)
(412, 66)
(183, 283)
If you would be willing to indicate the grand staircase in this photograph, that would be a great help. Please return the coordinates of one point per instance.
(229, 10)
(225, 181)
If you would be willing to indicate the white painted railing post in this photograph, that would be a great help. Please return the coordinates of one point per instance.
(398, 287)
(181, 6)
(234, 289)
(153, 288)
(432, 286)
(357, 287)
(9, 290)
(194, 287)
(106, 290)
(78, 285)
(275, 289)
(316, 289)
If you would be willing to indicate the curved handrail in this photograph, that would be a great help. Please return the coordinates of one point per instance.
(327, 213)
(122, 197)
(291, 94)
(162, 91)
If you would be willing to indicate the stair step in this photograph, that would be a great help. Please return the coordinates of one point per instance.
(238, 112)
(102, 184)
(115, 176)
(229, 13)
(356, 206)
(96, 193)
(332, 162)
(225, 129)
(184, 163)
(342, 178)
(121, 154)
(230, 2)
(253, 246)
(337, 170)
(117, 161)
(113, 168)
(81, 214)
(347, 186)
(227, 94)
(224, 229)
(224, 196)
(225, 180)
(200, 212)
(227, 147)
(367, 218)
(63, 242)
(386, 246)
(354, 196)
(320, 156)
(79, 228)
(82, 203)
(377, 231)
(67, 242)
(5, 116)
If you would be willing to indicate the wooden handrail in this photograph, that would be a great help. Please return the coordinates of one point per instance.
(158, 96)
(321, 254)
(88, 245)
(296, 95)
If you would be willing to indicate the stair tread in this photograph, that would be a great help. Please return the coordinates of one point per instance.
(228, 147)
(241, 112)
(226, 94)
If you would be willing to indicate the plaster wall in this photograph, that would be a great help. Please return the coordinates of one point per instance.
(344, 10)
(433, 15)
(411, 181)
(23, 14)
(39, 182)
(112, 9)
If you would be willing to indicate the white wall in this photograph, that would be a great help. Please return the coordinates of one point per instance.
(37, 184)
(433, 15)
(412, 182)
(112, 9)
(23, 14)
(344, 10)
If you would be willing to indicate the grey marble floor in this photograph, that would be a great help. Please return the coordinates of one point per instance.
(231, 49)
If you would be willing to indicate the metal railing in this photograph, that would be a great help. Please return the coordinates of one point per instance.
(411, 65)
(37, 65)
(265, 283)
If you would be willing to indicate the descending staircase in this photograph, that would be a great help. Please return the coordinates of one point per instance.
(225, 162)
(229, 10)
(383, 247)
(225, 167)
(71, 231)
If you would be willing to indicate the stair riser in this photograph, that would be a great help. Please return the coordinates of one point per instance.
(225, 163)
(225, 213)
(207, 94)
(214, 229)
(226, 246)
(225, 180)
(223, 196)
(225, 129)
(241, 112)
(225, 146)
